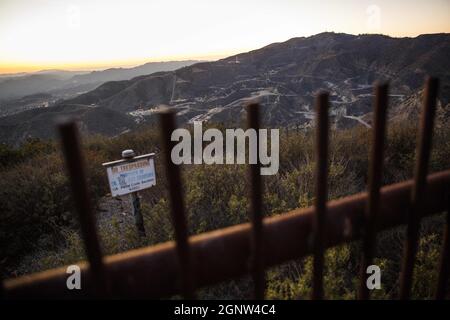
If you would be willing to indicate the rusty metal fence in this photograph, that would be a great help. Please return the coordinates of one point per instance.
(189, 263)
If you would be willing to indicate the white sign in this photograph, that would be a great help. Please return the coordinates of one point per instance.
(133, 176)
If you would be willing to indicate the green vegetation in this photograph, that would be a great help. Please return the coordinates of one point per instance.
(39, 230)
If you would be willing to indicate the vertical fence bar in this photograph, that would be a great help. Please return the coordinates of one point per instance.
(320, 200)
(167, 118)
(257, 255)
(420, 174)
(374, 184)
(75, 166)
(444, 264)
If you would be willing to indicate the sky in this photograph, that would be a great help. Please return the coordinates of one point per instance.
(96, 34)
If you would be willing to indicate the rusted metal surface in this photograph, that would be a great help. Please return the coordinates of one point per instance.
(76, 169)
(177, 206)
(219, 255)
(137, 213)
(320, 200)
(444, 264)
(257, 255)
(418, 191)
(374, 184)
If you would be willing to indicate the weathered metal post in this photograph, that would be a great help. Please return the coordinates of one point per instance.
(135, 200)
(138, 218)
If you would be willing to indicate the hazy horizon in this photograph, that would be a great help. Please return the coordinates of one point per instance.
(96, 35)
(99, 68)
(204, 59)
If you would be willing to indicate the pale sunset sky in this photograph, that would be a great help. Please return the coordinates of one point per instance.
(96, 34)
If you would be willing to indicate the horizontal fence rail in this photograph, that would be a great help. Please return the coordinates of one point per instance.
(181, 266)
(223, 254)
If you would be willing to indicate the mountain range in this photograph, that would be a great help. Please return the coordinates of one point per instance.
(284, 77)
(62, 83)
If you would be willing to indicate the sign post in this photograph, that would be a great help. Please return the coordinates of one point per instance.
(130, 175)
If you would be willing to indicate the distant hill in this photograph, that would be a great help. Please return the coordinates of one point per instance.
(285, 77)
(116, 74)
(42, 122)
(33, 101)
(68, 83)
(17, 86)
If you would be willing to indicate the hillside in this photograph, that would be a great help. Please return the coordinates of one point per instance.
(284, 77)
(39, 226)
(42, 122)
